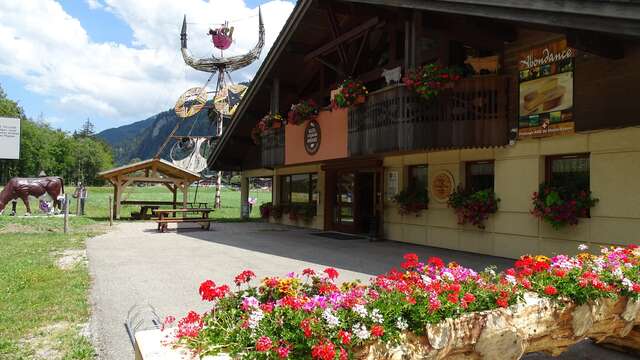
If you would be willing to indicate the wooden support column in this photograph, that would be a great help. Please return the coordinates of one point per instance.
(185, 194)
(275, 96)
(244, 193)
(117, 195)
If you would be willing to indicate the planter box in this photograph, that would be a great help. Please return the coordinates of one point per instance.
(534, 325)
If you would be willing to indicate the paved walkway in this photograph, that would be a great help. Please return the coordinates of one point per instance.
(134, 265)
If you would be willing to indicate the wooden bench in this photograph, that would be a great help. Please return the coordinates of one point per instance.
(163, 219)
(205, 224)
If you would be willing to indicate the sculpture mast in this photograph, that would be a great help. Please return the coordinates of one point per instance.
(226, 95)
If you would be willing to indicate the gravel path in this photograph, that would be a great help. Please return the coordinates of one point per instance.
(135, 265)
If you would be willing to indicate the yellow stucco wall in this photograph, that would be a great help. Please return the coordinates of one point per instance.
(513, 231)
(519, 169)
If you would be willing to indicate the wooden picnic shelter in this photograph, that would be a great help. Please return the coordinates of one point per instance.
(153, 171)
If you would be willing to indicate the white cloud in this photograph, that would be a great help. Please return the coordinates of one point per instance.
(51, 53)
(94, 4)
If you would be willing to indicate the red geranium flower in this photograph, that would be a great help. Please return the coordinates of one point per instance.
(436, 261)
(377, 330)
(324, 350)
(244, 277)
(264, 344)
(331, 273)
(411, 261)
(550, 290)
(210, 292)
(308, 272)
(345, 337)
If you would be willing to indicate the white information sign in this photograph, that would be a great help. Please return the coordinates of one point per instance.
(9, 138)
(392, 185)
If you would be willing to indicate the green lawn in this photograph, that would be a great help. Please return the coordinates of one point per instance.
(42, 307)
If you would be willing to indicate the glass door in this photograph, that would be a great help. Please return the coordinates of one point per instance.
(344, 219)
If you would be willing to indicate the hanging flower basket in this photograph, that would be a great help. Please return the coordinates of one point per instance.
(429, 80)
(303, 111)
(412, 201)
(473, 207)
(350, 93)
(561, 206)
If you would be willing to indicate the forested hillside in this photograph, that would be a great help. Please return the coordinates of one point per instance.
(75, 157)
(141, 140)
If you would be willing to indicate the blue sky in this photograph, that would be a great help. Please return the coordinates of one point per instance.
(113, 61)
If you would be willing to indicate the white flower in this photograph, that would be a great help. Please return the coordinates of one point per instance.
(360, 331)
(583, 247)
(426, 280)
(628, 283)
(330, 318)
(401, 324)
(448, 276)
(490, 271)
(618, 273)
(376, 316)
(360, 310)
(254, 318)
(511, 279)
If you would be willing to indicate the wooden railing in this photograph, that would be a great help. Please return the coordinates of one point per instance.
(475, 112)
(272, 148)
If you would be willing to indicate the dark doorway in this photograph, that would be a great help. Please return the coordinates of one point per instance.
(365, 202)
(354, 200)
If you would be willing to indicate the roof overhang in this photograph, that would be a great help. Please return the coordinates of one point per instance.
(616, 17)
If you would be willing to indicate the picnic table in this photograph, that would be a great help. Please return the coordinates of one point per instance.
(153, 205)
(164, 220)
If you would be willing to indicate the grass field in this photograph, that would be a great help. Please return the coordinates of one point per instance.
(44, 307)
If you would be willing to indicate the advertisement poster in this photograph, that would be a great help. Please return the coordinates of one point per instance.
(546, 91)
(9, 138)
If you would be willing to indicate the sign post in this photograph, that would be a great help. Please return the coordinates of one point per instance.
(66, 213)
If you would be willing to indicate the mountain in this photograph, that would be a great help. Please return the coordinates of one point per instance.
(141, 140)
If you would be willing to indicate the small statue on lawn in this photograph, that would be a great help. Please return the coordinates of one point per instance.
(39, 188)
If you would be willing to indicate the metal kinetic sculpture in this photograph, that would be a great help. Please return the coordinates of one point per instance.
(226, 95)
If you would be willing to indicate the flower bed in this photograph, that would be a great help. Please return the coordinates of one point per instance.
(428, 310)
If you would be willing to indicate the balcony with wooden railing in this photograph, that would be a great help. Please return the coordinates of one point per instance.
(272, 148)
(475, 112)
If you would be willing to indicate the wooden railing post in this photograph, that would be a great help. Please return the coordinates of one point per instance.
(67, 202)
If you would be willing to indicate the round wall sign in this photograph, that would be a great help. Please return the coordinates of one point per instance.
(442, 185)
(312, 137)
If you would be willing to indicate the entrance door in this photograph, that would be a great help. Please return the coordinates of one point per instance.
(344, 203)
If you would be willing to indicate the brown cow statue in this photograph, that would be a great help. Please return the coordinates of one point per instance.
(22, 188)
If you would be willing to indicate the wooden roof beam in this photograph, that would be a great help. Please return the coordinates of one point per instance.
(349, 35)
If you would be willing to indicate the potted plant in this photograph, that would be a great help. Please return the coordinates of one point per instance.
(302, 111)
(265, 210)
(561, 205)
(412, 201)
(307, 212)
(429, 80)
(349, 93)
(473, 207)
(292, 210)
(271, 121)
(276, 211)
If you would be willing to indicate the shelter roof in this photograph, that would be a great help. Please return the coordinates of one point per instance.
(160, 165)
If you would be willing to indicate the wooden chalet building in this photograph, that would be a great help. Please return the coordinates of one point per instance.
(549, 93)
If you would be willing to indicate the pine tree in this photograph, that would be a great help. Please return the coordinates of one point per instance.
(87, 130)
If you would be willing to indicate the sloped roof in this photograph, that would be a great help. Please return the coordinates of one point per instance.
(619, 17)
(161, 165)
